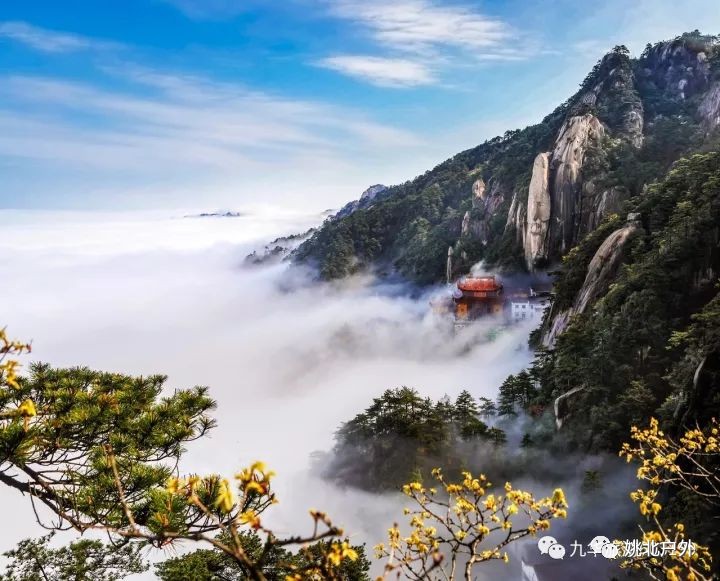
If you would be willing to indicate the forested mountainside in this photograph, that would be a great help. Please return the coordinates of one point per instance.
(644, 340)
(618, 190)
(633, 334)
(523, 200)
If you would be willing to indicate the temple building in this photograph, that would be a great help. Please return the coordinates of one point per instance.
(478, 297)
(531, 308)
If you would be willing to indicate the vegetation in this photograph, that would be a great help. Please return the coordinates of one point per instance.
(635, 353)
(411, 228)
(650, 346)
(689, 463)
(117, 480)
(402, 435)
(83, 560)
(280, 564)
(102, 451)
(465, 522)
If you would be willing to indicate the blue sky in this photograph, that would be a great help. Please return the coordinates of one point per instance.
(299, 104)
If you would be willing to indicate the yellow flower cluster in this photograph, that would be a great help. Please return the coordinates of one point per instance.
(646, 501)
(255, 479)
(9, 368)
(661, 458)
(27, 409)
(252, 482)
(339, 552)
(663, 461)
(461, 519)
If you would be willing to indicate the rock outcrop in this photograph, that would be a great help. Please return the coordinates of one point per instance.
(364, 201)
(596, 204)
(576, 136)
(478, 193)
(486, 201)
(600, 274)
(555, 202)
(538, 212)
(465, 227)
(604, 265)
(516, 219)
(679, 68)
(709, 108)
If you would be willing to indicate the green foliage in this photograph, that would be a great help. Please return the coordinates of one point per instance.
(402, 435)
(81, 415)
(592, 482)
(278, 563)
(83, 560)
(517, 392)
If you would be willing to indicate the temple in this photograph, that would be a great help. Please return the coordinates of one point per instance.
(478, 296)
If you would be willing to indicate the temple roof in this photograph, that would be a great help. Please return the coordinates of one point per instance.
(479, 284)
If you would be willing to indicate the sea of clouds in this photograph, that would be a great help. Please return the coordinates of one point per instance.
(286, 359)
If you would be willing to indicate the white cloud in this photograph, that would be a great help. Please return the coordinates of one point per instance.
(384, 72)
(50, 40)
(418, 25)
(421, 36)
(182, 137)
(145, 294)
(196, 119)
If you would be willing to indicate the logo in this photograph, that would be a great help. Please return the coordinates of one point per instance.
(549, 546)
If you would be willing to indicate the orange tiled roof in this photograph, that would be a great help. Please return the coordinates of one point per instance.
(479, 284)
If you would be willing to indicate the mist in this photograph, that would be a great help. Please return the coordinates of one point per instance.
(287, 359)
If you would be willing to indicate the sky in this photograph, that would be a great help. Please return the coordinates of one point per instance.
(301, 104)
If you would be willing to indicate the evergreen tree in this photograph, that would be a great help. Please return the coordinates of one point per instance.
(82, 560)
(466, 416)
(487, 408)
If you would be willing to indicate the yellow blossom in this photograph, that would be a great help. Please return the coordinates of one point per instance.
(224, 500)
(27, 409)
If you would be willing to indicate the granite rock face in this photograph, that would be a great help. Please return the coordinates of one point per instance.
(538, 211)
(709, 108)
(555, 196)
(478, 193)
(600, 274)
(576, 136)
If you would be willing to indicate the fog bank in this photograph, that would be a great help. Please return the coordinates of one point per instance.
(286, 359)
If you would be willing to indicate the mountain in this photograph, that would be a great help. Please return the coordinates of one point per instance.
(523, 200)
(366, 199)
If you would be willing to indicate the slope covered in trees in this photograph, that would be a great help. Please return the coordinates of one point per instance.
(649, 346)
(402, 435)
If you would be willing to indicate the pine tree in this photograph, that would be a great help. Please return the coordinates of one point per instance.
(487, 407)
